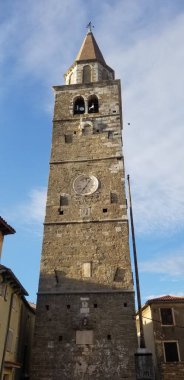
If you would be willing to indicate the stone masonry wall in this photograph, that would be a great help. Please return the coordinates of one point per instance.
(106, 317)
(105, 246)
(85, 327)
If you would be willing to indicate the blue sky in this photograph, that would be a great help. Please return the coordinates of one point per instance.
(143, 41)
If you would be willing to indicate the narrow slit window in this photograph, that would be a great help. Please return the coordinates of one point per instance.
(104, 209)
(110, 135)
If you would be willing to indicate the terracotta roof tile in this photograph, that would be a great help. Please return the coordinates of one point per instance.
(167, 298)
(5, 228)
(13, 280)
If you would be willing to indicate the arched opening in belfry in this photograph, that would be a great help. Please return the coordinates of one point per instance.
(79, 106)
(93, 104)
(86, 74)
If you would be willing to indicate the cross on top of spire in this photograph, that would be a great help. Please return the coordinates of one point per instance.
(89, 27)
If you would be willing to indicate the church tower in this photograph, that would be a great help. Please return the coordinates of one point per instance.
(85, 326)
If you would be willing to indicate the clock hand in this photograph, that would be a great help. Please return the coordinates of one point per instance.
(86, 184)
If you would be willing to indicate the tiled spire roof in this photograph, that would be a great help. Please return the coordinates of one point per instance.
(89, 50)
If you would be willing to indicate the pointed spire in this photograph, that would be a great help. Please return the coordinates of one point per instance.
(89, 53)
(89, 50)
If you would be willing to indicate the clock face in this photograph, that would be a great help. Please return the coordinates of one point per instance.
(85, 184)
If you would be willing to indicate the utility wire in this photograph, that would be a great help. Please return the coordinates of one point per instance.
(156, 320)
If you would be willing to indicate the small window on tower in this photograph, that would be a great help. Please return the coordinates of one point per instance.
(63, 200)
(93, 104)
(86, 74)
(68, 139)
(79, 106)
(114, 198)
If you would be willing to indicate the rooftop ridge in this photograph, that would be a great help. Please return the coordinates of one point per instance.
(5, 228)
(165, 298)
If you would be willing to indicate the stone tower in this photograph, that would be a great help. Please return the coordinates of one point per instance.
(85, 325)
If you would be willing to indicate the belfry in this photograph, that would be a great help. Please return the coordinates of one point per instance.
(85, 327)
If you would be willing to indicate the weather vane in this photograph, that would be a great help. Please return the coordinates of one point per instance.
(90, 26)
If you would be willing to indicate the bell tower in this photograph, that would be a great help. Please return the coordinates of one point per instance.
(85, 326)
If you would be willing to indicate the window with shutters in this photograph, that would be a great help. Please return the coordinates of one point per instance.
(171, 351)
(166, 316)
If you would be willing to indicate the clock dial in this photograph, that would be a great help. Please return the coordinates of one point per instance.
(85, 184)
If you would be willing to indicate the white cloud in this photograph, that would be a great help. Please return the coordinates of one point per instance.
(154, 142)
(172, 265)
(33, 210)
(30, 213)
(36, 36)
(145, 47)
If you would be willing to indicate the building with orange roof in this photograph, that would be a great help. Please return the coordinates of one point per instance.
(163, 323)
(17, 317)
